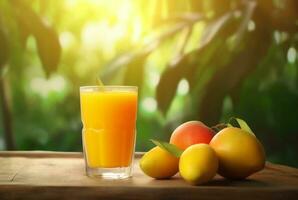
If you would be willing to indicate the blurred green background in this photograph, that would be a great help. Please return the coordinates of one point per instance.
(202, 60)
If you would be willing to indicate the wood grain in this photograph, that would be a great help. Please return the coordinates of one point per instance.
(61, 175)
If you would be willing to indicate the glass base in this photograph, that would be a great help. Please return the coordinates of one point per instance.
(109, 173)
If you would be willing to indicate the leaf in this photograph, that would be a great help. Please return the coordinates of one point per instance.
(134, 73)
(214, 27)
(229, 125)
(47, 40)
(170, 78)
(49, 48)
(4, 48)
(243, 125)
(171, 148)
(167, 85)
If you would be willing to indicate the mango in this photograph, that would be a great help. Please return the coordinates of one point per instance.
(239, 152)
(190, 133)
(198, 164)
(158, 163)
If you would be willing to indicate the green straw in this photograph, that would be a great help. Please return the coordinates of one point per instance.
(99, 82)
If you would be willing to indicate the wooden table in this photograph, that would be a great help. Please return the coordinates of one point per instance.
(57, 175)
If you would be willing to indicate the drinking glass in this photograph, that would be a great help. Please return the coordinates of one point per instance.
(109, 115)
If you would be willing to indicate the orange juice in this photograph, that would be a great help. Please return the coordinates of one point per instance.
(109, 120)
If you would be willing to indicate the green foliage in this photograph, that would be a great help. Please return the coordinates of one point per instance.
(235, 41)
(204, 60)
(24, 23)
(268, 101)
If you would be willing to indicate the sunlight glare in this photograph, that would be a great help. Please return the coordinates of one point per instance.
(43, 86)
(67, 39)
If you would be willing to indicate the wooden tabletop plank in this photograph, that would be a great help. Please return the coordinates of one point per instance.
(61, 175)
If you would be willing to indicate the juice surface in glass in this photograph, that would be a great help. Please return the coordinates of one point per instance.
(109, 121)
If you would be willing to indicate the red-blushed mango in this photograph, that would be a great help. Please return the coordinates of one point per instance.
(239, 152)
(190, 133)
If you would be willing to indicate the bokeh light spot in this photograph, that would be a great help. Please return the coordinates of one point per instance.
(149, 104)
(183, 87)
(292, 55)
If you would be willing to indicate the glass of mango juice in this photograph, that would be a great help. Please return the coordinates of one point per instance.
(109, 115)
